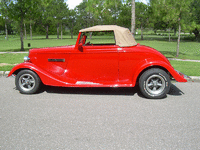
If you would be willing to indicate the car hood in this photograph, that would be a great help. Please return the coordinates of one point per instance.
(59, 49)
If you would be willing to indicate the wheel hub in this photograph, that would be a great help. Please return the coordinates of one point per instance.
(27, 82)
(155, 84)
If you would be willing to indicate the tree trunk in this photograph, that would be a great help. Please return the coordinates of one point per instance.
(58, 31)
(47, 32)
(61, 31)
(169, 35)
(71, 33)
(179, 37)
(71, 30)
(142, 32)
(30, 31)
(133, 18)
(21, 34)
(25, 31)
(6, 30)
(174, 31)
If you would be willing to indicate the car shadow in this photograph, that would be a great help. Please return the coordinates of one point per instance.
(90, 90)
(175, 91)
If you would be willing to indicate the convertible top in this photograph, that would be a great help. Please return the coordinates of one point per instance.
(123, 36)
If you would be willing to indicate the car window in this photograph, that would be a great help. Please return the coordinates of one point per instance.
(99, 38)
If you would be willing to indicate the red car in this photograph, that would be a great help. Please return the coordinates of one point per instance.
(120, 62)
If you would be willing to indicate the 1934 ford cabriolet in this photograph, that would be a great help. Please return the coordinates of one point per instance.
(120, 62)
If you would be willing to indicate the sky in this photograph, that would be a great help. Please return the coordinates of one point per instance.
(73, 3)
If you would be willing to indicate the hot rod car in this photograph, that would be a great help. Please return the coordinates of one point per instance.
(121, 62)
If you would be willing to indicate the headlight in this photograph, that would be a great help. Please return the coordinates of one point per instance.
(26, 59)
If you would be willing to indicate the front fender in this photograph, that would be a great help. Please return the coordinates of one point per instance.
(46, 77)
(157, 63)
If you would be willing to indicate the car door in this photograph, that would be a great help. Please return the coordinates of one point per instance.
(96, 63)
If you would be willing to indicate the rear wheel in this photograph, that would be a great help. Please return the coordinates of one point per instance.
(154, 83)
(27, 82)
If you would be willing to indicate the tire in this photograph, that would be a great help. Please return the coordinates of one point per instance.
(154, 83)
(27, 82)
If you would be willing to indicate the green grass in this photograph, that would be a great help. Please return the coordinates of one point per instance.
(6, 68)
(13, 43)
(188, 50)
(12, 58)
(188, 68)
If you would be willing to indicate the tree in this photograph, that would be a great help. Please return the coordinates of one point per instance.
(125, 15)
(58, 11)
(45, 17)
(4, 13)
(141, 16)
(162, 15)
(182, 9)
(18, 10)
(172, 12)
(83, 17)
(133, 18)
(71, 20)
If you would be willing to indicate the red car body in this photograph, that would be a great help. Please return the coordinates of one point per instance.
(94, 65)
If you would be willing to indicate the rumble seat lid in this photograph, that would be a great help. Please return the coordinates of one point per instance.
(123, 36)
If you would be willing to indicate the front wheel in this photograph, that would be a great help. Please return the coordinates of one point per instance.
(27, 82)
(154, 83)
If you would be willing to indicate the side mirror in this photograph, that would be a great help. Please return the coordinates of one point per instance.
(80, 47)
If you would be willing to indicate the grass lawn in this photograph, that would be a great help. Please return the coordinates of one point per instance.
(188, 50)
(188, 68)
(12, 58)
(13, 43)
(6, 68)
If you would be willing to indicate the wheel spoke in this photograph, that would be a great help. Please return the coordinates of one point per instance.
(159, 84)
(154, 88)
(32, 81)
(23, 84)
(150, 84)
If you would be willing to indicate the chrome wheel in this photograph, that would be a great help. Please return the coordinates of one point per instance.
(155, 84)
(27, 82)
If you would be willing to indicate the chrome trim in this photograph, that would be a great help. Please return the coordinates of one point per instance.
(56, 60)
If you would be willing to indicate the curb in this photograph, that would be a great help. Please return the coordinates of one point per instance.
(183, 60)
(4, 73)
(192, 78)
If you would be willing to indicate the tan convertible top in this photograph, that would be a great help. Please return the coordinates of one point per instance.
(123, 36)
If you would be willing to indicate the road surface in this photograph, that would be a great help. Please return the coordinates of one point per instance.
(99, 118)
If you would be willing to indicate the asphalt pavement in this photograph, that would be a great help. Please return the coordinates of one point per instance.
(99, 118)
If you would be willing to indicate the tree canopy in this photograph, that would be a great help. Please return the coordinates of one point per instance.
(53, 16)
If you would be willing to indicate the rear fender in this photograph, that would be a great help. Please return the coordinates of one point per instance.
(46, 77)
(158, 63)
